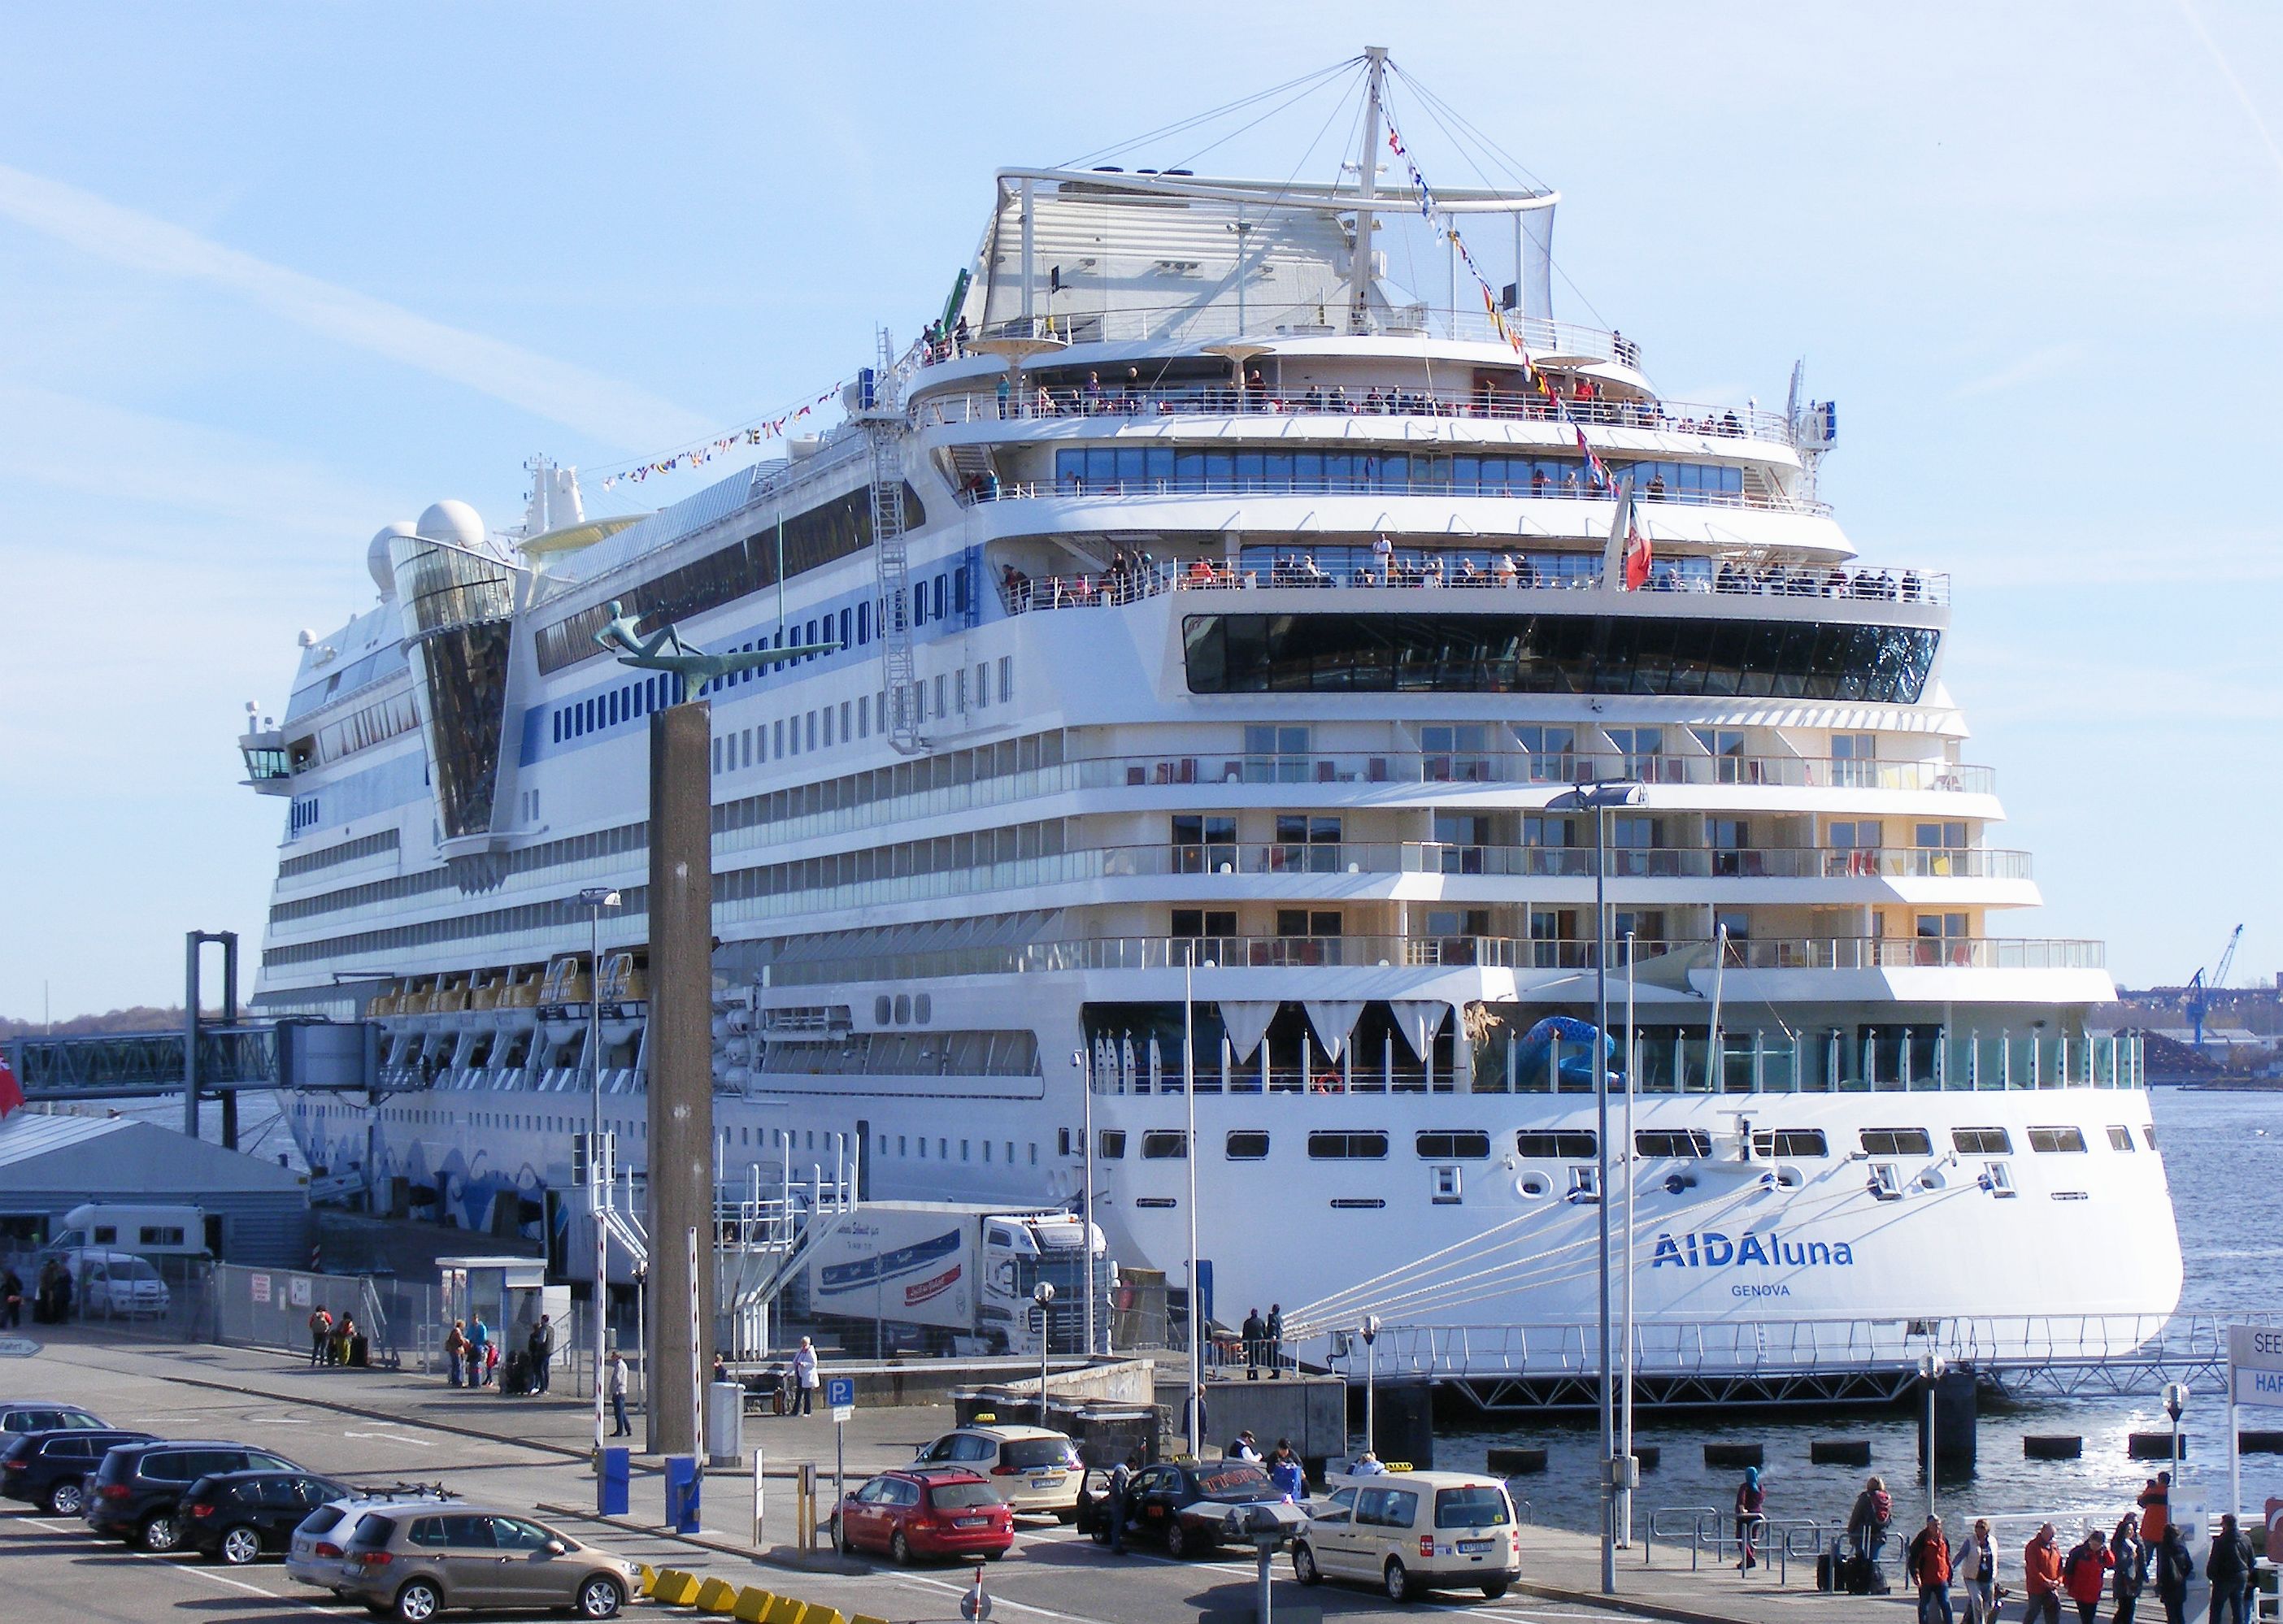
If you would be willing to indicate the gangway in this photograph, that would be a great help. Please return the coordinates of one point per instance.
(766, 1232)
(318, 1055)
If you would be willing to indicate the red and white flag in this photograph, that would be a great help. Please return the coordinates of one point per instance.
(12, 1093)
(1636, 559)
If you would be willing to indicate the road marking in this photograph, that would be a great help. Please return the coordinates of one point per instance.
(417, 1444)
(195, 1573)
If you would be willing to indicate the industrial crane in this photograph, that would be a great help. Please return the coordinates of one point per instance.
(2198, 998)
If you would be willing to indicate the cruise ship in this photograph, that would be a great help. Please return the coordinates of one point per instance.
(1243, 629)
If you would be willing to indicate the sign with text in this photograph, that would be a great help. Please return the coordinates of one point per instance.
(2255, 1362)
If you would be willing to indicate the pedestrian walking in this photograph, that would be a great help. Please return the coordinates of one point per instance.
(2130, 1556)
(1285, 1471)
(2227, 1569)
(541, 1349)
(2156, 1504)
(1255, 1333)
(1750, 1498)
(1120, 1476)
(2041, 1577)
(456, 1350)
(2085, 1573)
(2172, 1567)
(321, 1335)
(479, 1353)
(11, 1299)
(1974, 1564)
(1274, 1333)
(1868, 1521)
(1926, 1565)
(617, 1390)
(805, 1376)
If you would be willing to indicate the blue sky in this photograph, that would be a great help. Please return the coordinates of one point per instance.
(274, 276)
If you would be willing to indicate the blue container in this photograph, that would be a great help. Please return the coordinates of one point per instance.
(683, 1484)
(610, 1488)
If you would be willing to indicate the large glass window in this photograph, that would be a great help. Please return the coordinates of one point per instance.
(1556, 654)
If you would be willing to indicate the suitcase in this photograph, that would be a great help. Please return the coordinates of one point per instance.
(1826, 1563)
(1857, 1574)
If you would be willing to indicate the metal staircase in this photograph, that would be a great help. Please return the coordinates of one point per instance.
(764, 1240)
(879, 408)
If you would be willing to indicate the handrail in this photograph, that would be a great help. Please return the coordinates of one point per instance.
(1057, 405)
(1548, 341)
(1026, 490)
(1468, 568)
(1696, 1514)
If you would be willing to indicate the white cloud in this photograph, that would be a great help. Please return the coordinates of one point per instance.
(2034, 365)
(545, 387)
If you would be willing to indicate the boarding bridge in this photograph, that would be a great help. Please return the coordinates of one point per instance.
(319, 1055)
(767, 1230)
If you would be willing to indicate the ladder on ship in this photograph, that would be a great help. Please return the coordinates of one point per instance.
(765, 1237)
(879, 408)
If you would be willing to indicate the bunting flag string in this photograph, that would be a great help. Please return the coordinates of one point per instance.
(758, 434)
(1505, 329)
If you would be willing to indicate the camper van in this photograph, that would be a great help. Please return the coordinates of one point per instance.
(145, 1231)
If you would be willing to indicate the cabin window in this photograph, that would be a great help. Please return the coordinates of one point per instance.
(1692, 1143)
(1897, 1142)
(1165, 1145)
(1356, 1147)
(1783, 1143)
(1553, 1147)
(1453, 1145)
(1982, 1141)
(1113, 1143)
(1247, 1145)
(2070, 1139)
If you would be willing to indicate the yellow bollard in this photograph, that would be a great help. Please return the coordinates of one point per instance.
(819, 1613)
(716, 1595)
(866, 1618)
(676, 1589)
(649, 1586)
(753, 1604)
(787, 1611)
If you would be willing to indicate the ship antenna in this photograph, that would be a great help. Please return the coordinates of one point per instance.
(1366, 188)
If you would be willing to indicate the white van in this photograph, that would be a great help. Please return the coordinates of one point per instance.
(1407, 1532)
(147, 1232)
(115, 1285)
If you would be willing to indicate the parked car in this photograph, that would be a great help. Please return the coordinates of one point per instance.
(313, 1556)
(233, 1517)
(32, 1415)
(925, 1511)
(1184, 1504)
(138, 1486)
(1033, 1470)
(116, 1285)
(1412, 1531)
(48, 1468)
(417, 1561)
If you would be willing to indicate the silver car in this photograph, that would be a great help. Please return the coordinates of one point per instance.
(415, 1561)
(314, 1555)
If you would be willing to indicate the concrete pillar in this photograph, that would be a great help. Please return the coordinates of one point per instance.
(681, 1044)
(1954, 1412)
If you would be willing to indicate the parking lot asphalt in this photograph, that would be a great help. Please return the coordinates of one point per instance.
(54, 1572)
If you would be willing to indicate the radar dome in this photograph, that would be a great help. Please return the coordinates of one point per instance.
(452, 521)
(376, 562)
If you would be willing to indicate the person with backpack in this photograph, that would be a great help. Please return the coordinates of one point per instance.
(2155, 1512)
(2085, 1573)
(2172, 1567)
(1974, 1565)
(1926, 1563)
(321, 1335)
(2041, 1577)
(1867, 1524)
(456, 1349)
(2227, 1567)
(2131, 1559)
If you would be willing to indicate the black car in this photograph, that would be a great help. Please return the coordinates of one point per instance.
(236, 1515)
(138, 1488)
(32, 1415)
(47, 1468)
(1181, 1503)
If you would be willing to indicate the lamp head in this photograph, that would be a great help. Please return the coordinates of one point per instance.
(1043, 1292)
(2176, 1398)
(1370, 1328)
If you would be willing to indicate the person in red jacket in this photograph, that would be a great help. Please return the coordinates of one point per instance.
(1928, 1564)
(2041, 1577)
(2085, 1574)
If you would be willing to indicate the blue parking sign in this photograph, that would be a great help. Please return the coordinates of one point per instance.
(840, 1391)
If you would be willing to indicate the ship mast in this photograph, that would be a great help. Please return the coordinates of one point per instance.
(1366, 179)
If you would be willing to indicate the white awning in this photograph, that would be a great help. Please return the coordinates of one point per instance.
(1246, 1021)
(1333, 1021)
(1418, 1020)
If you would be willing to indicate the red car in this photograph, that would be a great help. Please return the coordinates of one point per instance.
(926, 1512)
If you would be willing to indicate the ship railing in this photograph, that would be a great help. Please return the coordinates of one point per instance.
(1462, 570)
(1548, 342)
(1064, 403)
(992, 490)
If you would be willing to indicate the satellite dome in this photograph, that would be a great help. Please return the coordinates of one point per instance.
(376, 561)
(453, 521)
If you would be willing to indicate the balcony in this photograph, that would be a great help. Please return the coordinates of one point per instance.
(1209, 481)
(1184, 325)
(1552, 770)
(1065, 404)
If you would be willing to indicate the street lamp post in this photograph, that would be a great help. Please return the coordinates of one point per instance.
(1190, 1200)
(1598, 797)
(1085, 1193)
(2176, 1399)
(1931, 1366)
(1370, 1331)
(1043, 1294)
(594, 899)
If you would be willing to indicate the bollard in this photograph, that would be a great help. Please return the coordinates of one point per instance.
(684, 1484)
(611, 1487)
(804, 1503)
(1840, 1451)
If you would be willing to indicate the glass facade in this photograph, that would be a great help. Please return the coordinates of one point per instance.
(1109, 469)
(1556, 654)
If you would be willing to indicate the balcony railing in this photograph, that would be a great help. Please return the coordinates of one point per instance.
(1464, 570)
(1552, 769)
(1185, 323)
(1213, 485)
(1061, 403)
(1428, 952)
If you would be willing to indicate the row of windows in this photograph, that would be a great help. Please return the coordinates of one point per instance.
(622, 703)
(1556, 654)
(944, 854)
(955, 693)
(938, 770)
(348, 851)
(374, 724)
(1580, 1145)
(1079, 469)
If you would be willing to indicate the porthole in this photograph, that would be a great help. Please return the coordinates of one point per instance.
(1531, 1186)
(903, 1007)
(882, 1008)
(923, 1008)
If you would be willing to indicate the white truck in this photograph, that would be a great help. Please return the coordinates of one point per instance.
(962, 1277)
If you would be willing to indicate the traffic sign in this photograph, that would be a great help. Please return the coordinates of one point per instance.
(840, 1393)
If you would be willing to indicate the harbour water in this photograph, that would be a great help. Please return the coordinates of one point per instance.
(2224, 1153)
